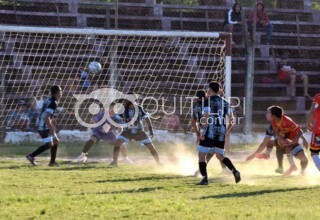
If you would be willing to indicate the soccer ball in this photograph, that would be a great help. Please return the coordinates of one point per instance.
(94, 67)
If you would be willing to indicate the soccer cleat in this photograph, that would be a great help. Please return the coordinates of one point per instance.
(263, 156)
(31, 160)
(113, 164)
(237, 177)
(279, 170)
(203, 182)
(53, 165)
(127, 160)
(82, 158)
(290, 171)
(197, 173)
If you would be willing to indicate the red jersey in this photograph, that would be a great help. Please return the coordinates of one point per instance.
(287, 128)
(316, 107)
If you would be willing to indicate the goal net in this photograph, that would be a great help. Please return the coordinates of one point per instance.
(165, 69)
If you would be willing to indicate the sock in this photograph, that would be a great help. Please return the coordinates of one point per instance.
(40, 150)
(87, 146)
(53, 152)
(316, 161)
(291, 160)
(229, 164)
(203, 169)
(268, 151)
(116, 151)
(279, 153)
(155, 155)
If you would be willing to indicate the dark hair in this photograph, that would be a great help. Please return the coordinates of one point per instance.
(201, 94)
(260, 3)
(235, 5)
(214, 86)
(276, 111)
(54, 90)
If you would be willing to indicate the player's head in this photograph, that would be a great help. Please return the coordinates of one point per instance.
(236, 7)
(111, 109)
(128, 102)
(269, 115)
(214, 88)
(276, 112)
(201, 94)
(56, 92)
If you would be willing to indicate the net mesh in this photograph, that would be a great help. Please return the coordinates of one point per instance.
(163, 71)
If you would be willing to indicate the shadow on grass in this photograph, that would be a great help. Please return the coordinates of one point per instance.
(254, 193)
(139, 179)
(140, 190)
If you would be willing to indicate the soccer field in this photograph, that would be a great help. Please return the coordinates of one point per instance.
(145, 191)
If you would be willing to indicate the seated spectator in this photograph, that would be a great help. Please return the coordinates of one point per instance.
(18, 119)
(262, 21)
(287, 74)
(233, 17)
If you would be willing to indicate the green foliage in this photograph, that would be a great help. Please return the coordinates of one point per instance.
(316, 6)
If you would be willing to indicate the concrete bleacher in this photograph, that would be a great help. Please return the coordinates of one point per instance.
(296, 30)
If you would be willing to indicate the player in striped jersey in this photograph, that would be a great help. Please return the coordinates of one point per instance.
(47, 128)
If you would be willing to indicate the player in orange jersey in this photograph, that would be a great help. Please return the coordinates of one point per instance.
(288, 134)
(313, 125)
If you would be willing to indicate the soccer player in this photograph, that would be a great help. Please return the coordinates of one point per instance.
(313, 124)
(135, 131)
(213, 131)
(288, 134)
(197, 113)
(105, 132)
(268, 143)
(46, 129)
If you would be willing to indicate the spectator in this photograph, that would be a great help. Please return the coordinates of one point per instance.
(287, 74)
(172, 122)
(18, 119)
(262, 21)
(233, 17)
(33, 114)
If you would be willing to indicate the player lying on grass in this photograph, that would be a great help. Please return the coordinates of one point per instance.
(268, 143)
(105, 132)
(201, 102)
(313, 124)
(212, 132)
(134, 131)
(288, 134)
(46, 128)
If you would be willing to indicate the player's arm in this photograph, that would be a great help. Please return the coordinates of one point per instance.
(230, 122)
(262, 146)
(52, 127)
(195, 128)
(295, 140)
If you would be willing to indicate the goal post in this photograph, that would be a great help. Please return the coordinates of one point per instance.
(165, 68)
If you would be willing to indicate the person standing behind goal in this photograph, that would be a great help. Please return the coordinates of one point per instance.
(47, 128)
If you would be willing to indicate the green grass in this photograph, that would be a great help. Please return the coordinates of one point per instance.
(94, 191)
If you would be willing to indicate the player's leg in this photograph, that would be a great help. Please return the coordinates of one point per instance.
(316, 158)
(124, 137)
(219, 151)
(54, 148)
(314, 149)
(299, 153)
(305, 80)
(153, 152)
(293, 79)
(203, 167)
(292, 164)
(46, 146)
(124, 152)
(87, 146)
(279, 153)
